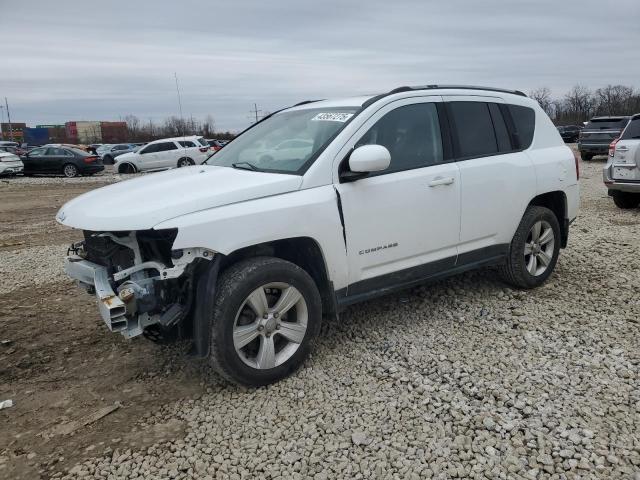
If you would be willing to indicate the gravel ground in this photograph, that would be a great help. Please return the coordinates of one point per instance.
(465, 378)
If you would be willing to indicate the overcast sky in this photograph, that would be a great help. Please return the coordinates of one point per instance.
(101, 60)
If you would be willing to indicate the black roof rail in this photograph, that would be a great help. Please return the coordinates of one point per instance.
(304, 103)
(439, 87)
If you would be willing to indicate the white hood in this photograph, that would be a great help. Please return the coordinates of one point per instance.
(142, 203)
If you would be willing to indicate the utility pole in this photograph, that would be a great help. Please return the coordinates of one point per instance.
(255, 111)
(9, 118)
(2, 121)
(179, 101)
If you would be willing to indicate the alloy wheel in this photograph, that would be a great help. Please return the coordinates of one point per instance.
(539, 247)
(270, 325)
(70, 171)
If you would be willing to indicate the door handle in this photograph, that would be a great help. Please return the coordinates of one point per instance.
(441, 181)
(622, 149)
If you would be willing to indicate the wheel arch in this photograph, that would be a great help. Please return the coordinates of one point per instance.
(305, 252)
(123, 164)
(556, 201)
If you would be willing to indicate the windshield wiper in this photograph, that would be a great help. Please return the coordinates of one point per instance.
(245, 166)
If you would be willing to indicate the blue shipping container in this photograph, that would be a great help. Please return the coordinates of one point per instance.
(36, 136)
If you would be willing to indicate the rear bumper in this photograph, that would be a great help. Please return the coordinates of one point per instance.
(595, 148)
(95, 277)
(92, 169)
(11, 167)
(618, 186)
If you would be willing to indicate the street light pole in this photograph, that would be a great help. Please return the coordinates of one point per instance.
(9, 118)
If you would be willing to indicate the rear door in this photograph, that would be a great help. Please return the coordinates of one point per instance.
(168, 154)
(496, 180)
(626, 156)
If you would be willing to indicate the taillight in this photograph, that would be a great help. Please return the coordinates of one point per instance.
(90, 159)
(577, 160)
(203, 149)
(612, 147)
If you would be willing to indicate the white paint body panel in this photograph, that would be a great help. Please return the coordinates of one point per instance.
(142, 203)
(225, 209)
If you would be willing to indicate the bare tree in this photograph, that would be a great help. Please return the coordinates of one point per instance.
(542, 95)
(614, 99)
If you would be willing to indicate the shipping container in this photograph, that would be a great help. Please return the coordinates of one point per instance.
(36, 136)
(114, 132)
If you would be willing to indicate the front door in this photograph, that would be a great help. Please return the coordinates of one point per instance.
(402, 224)
(33, 161)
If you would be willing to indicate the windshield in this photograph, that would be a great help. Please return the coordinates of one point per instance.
(288, 142)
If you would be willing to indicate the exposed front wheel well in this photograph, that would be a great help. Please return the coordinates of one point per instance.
(557, 203)
(303, 252)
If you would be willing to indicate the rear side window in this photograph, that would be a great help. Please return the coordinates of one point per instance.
(632, 131)
(166, 146)
(474, 129)
(411, 134)
(524, 120)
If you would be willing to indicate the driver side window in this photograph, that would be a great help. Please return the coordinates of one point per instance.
(411, 134)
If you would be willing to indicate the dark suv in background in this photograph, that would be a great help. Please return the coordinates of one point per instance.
(598, 134)
(569, 133)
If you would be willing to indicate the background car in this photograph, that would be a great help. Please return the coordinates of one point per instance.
(215, 144)
(286, 150)
(598, 134)
(110, 153)
(15, 150)
(10, 163)
(60, 160)
(569, 133)
(164, 154)
(622, 173)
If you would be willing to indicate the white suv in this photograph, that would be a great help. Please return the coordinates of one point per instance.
(622, 172)
(164, 154)
(244, 254)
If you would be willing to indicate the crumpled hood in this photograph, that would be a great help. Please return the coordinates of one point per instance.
(143, 202)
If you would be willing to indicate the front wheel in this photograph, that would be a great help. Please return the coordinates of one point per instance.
(70, 170)
(534, 250)
(266, 313)
(626, 200)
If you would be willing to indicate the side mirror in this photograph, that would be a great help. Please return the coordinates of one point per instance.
(364, 160)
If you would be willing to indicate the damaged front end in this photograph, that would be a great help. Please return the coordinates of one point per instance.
(142, 285)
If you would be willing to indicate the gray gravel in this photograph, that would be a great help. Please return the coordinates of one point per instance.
(31, 266)
(462, 379)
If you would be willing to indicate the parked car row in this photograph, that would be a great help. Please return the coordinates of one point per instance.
(164, 154)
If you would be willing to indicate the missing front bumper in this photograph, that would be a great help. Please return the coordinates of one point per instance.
(112, 309)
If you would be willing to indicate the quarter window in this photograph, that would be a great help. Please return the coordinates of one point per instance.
(411, 134)
(474, 127)
(524, 119)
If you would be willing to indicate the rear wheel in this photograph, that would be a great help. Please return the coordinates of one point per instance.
(586, 156)
(185, 162)
(534, 250)
(266, 313)
(626, 200)
(70, 170)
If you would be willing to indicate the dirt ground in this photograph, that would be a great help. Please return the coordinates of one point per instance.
(62, 368)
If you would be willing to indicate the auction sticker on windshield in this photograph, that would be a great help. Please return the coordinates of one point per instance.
(333, 117)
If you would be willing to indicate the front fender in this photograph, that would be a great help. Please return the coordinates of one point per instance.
(309, 213)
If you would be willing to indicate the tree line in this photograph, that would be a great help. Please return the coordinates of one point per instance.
(581, 103)
(146, 131)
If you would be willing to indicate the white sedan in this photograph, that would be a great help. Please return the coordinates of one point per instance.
(165, 154)
(10, 164)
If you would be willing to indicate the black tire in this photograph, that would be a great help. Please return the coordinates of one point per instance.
(185, 162)
(234, 286)
(626, 200)
(127, 168)
(514, 271)
(69, 170)
(586, 156)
